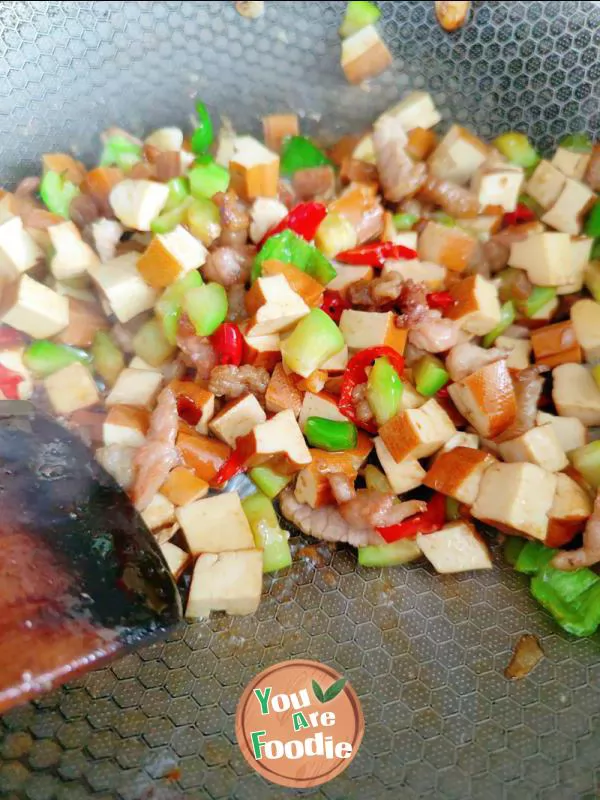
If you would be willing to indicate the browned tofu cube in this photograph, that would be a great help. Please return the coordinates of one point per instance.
(417, 432)
(486, 398)
(458, 473)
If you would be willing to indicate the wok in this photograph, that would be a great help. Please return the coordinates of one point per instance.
(424, 652)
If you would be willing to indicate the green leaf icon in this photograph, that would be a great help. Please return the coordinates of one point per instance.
(334, 689)
(318, 692)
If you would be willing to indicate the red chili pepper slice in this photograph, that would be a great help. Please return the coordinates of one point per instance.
(440, 300)
(228, 343)
(333, 304)
(229, 469)
(356, 373)
(428, 521)
(374, 254)
(303, 219)
(9, 383)
(522, 213)
(443, 392)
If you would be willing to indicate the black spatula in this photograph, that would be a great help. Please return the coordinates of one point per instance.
(81, 578)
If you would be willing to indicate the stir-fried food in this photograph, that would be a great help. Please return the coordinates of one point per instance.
(395, 338)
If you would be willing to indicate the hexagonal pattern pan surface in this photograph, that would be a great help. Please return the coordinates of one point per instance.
(425, 653)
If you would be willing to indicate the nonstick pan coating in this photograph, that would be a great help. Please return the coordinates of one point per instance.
(425, 653)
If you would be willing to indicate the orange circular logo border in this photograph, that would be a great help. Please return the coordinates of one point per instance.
(351, 708)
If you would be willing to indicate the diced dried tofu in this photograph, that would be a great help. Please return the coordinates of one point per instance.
(581, 250)
(403, 476)
(176, 558)
(169, 256)
(460, 439)
(34, 309)
(254, 169)
(546, 257)
(539, 446)
(576, 394)
(568, 211)
(570, 163)
(517, 495)
(18, 249)
(215, 524)
(319, 405)
(183, 487)
(546, 184)
(237, 418)
(135, 387)
(273, 305)
(519, 351)
(276, 127)
(458, 156)
(137, 202)
(310, 290)
(362, 329)
(265, 213)
(452, 248)
(486, 398)
(166, 139)
(139, 363)
(433, 275)
(570, 510)
(457, 547)
(418, 432)
(585, 316)
(364, 55)
(458, 473)
(126, 291)
(118, 461)
(570, 431)
(200, 401)
(230, 582)
(416, 110)
(261, 351)
(125, 425)
(347, 275)
(72, 256)
(159, 512)
(279, 435)
(556, 344)
(498, 187)
(476, 306)
(71, 388)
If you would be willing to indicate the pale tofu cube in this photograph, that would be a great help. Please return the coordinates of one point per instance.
(581, 249)
(432, 275)
(125, 425)
(347, 275)
(183, 486)
(266, 212)
(364, 55)
(126, 291)
(410, 397)
(319, 405)
(13, 360)
(176, 558)
(136, 202)
(403, 476)
(166, 139)
(458, 473)
(170, 256)
(457, 547)
(571, 164)
(585, 316)
(274, 306)
(576, 394)
(458, 156)
(571, 206)
(159, 513)
(417, 432)
(539, 446)
(486, 398)
(18, 250)
(164, 535)
(279, 435)
(416, 110)
(519, 351)
(118, 461)
(460, 439)
(72, 256)
(230, 582)
(215, 524)
(546, 257)
(570, 510)
(254, 169)
(261, 351)
(476, 306)
(237, 419)
(362, 329)
(338, 361)
(570, 431)
(139, 363)
(34, 309)
(135, 387)
(452, 248)
(365, 150)
(498, 187)
(517, 495)
(406, 239)
(71, 388)
(546, 184)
